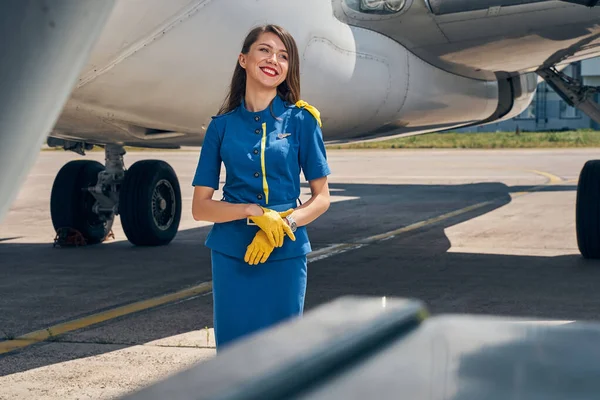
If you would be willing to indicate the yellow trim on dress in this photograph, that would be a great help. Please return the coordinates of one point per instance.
(310, 109)
(263, 143)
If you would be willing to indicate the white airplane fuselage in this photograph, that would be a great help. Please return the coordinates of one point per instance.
(161, 69)
(374, 68)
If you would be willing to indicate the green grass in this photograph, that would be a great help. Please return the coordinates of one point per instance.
(451, 140)
(480, 140)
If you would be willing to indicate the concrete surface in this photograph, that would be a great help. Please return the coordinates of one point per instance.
(515, 256)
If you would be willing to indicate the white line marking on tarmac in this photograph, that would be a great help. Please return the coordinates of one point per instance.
(542, 322)
(340, 248)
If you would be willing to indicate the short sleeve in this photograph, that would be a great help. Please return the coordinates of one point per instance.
(209, 164)
(313, 158)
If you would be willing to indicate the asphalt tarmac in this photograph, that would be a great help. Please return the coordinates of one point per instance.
(466, 231)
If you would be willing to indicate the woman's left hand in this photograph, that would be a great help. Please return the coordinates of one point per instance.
(275, 228)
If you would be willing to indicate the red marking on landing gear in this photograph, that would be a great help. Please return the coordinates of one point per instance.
(68, 237)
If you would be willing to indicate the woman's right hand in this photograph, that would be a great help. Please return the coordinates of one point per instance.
(254, 210)
(259, 250)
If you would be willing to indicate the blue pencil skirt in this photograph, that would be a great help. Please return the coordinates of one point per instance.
(248, 298)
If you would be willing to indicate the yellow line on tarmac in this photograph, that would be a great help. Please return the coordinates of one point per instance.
(552, 179)
(48, 333)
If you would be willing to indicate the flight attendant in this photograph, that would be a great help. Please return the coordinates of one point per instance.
(265, 136)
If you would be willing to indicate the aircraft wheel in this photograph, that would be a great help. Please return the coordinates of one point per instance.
(587, 217)
(71, 206)
(150, 203)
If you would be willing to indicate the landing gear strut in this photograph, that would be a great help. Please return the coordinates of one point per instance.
(86, 197)
(587, 215)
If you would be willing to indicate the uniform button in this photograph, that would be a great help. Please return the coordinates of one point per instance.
(259, 196)
(255, 151)
(257, 131)
(256, 174)
(257, 118)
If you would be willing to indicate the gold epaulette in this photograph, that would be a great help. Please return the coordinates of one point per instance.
(310, 109)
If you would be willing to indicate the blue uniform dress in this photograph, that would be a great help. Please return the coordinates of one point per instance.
(263, 153)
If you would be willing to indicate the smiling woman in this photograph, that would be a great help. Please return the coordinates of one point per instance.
(265, 136)
(265, 48)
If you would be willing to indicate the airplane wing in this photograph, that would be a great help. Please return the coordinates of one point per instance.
(368, 347)
(49, 43)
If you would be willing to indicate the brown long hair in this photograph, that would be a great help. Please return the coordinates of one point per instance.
(288, 90)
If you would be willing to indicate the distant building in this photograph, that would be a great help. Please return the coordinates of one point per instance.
(547, 111)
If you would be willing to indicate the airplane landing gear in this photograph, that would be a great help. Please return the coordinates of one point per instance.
(150, 203)
(587, 216)
(72, 207)
(86, 197)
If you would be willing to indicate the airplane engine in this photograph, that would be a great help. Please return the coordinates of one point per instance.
(376, 88)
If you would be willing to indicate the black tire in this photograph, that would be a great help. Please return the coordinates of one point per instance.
(587, 218)
(71, 206)
(146, 184)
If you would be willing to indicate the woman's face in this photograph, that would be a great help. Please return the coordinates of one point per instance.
(266, 63)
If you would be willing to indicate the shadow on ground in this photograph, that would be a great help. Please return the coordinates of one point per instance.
(41, 286)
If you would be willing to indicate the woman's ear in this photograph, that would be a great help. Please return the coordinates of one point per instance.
(242, 60)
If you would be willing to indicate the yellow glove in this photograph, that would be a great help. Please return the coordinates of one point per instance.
(259, 250)
(272, 223)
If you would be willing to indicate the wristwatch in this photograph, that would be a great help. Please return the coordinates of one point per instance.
(291, 222)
